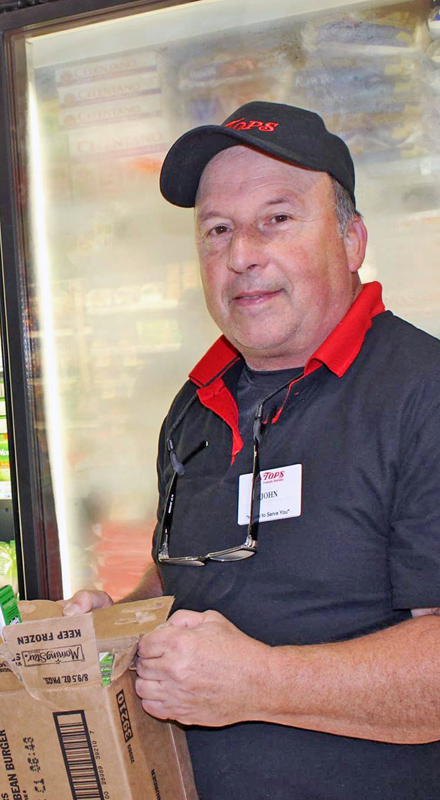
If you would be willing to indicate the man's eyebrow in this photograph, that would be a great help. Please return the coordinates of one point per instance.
(202, 216)
(283, 199)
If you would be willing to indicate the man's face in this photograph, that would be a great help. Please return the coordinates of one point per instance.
(276, 273)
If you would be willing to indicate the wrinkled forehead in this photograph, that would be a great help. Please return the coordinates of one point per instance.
(244, 168)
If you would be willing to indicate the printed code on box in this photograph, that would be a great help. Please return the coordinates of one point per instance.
(79, 760)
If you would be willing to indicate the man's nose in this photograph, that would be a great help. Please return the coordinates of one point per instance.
(245, 251)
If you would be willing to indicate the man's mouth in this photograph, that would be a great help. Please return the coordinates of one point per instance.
(255, 297)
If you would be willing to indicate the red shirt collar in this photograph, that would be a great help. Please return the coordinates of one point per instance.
(337, 352)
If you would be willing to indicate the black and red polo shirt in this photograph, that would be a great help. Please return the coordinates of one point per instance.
(364, 423)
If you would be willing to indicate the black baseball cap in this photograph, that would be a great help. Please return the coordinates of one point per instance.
(289, 133)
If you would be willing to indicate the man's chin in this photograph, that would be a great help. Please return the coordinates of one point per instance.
(263, 351)
(253, 348)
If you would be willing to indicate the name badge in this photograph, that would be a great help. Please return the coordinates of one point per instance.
(280, 494)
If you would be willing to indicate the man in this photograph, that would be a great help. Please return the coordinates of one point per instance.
(298, 470)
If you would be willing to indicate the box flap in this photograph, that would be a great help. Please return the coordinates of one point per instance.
(125, 620)
(44, 650)
(118, 628)
(39, 609)
(135, 618)
(47, 650)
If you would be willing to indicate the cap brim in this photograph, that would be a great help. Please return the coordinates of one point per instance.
(188, 157)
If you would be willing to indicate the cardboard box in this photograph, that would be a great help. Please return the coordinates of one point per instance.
(62, 734)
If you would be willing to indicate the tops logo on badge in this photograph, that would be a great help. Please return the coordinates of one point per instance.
(242, 125)
(277, 475)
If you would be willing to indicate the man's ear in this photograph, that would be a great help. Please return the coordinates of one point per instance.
(355, 243)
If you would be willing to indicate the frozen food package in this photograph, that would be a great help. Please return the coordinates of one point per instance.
(126, 296)
(434, 23)
(363, 70)
(9, 613)
(211, 85)
(110, 88)
(229, 67)
(433, 53)
(347, 72)
(8, 565)
(374, 31)
(431, 97)
(344, 77)
(374, 104)
(399, 140)
(381, 97)
(432, 70)
(431, 128)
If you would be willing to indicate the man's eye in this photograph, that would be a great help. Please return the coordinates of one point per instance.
(280, 218)
(218, 230)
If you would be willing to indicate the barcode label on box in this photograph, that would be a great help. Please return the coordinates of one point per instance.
(77, 750)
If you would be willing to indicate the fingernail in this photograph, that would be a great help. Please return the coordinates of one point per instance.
(70, 609)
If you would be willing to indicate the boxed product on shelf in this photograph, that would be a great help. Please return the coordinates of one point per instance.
(363, 69)
(211, 85)
(432, 106)
(8, 565)
(374, 31)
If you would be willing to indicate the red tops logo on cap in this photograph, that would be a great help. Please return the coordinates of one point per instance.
(242, 125)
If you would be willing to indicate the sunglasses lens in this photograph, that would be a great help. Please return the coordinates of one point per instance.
(236, 554)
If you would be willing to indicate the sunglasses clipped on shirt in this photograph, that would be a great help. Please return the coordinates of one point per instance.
(242, 551)
(249, 546)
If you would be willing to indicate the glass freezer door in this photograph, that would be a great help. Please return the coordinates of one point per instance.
(114, 310)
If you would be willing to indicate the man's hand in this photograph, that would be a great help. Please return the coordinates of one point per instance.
(200, 669)
(85, 600)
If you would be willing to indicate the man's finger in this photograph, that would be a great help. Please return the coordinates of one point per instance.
(186, 619)
(149, 690)
(155, 708)
(85, 600)
(153, 645)
(146, 668)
